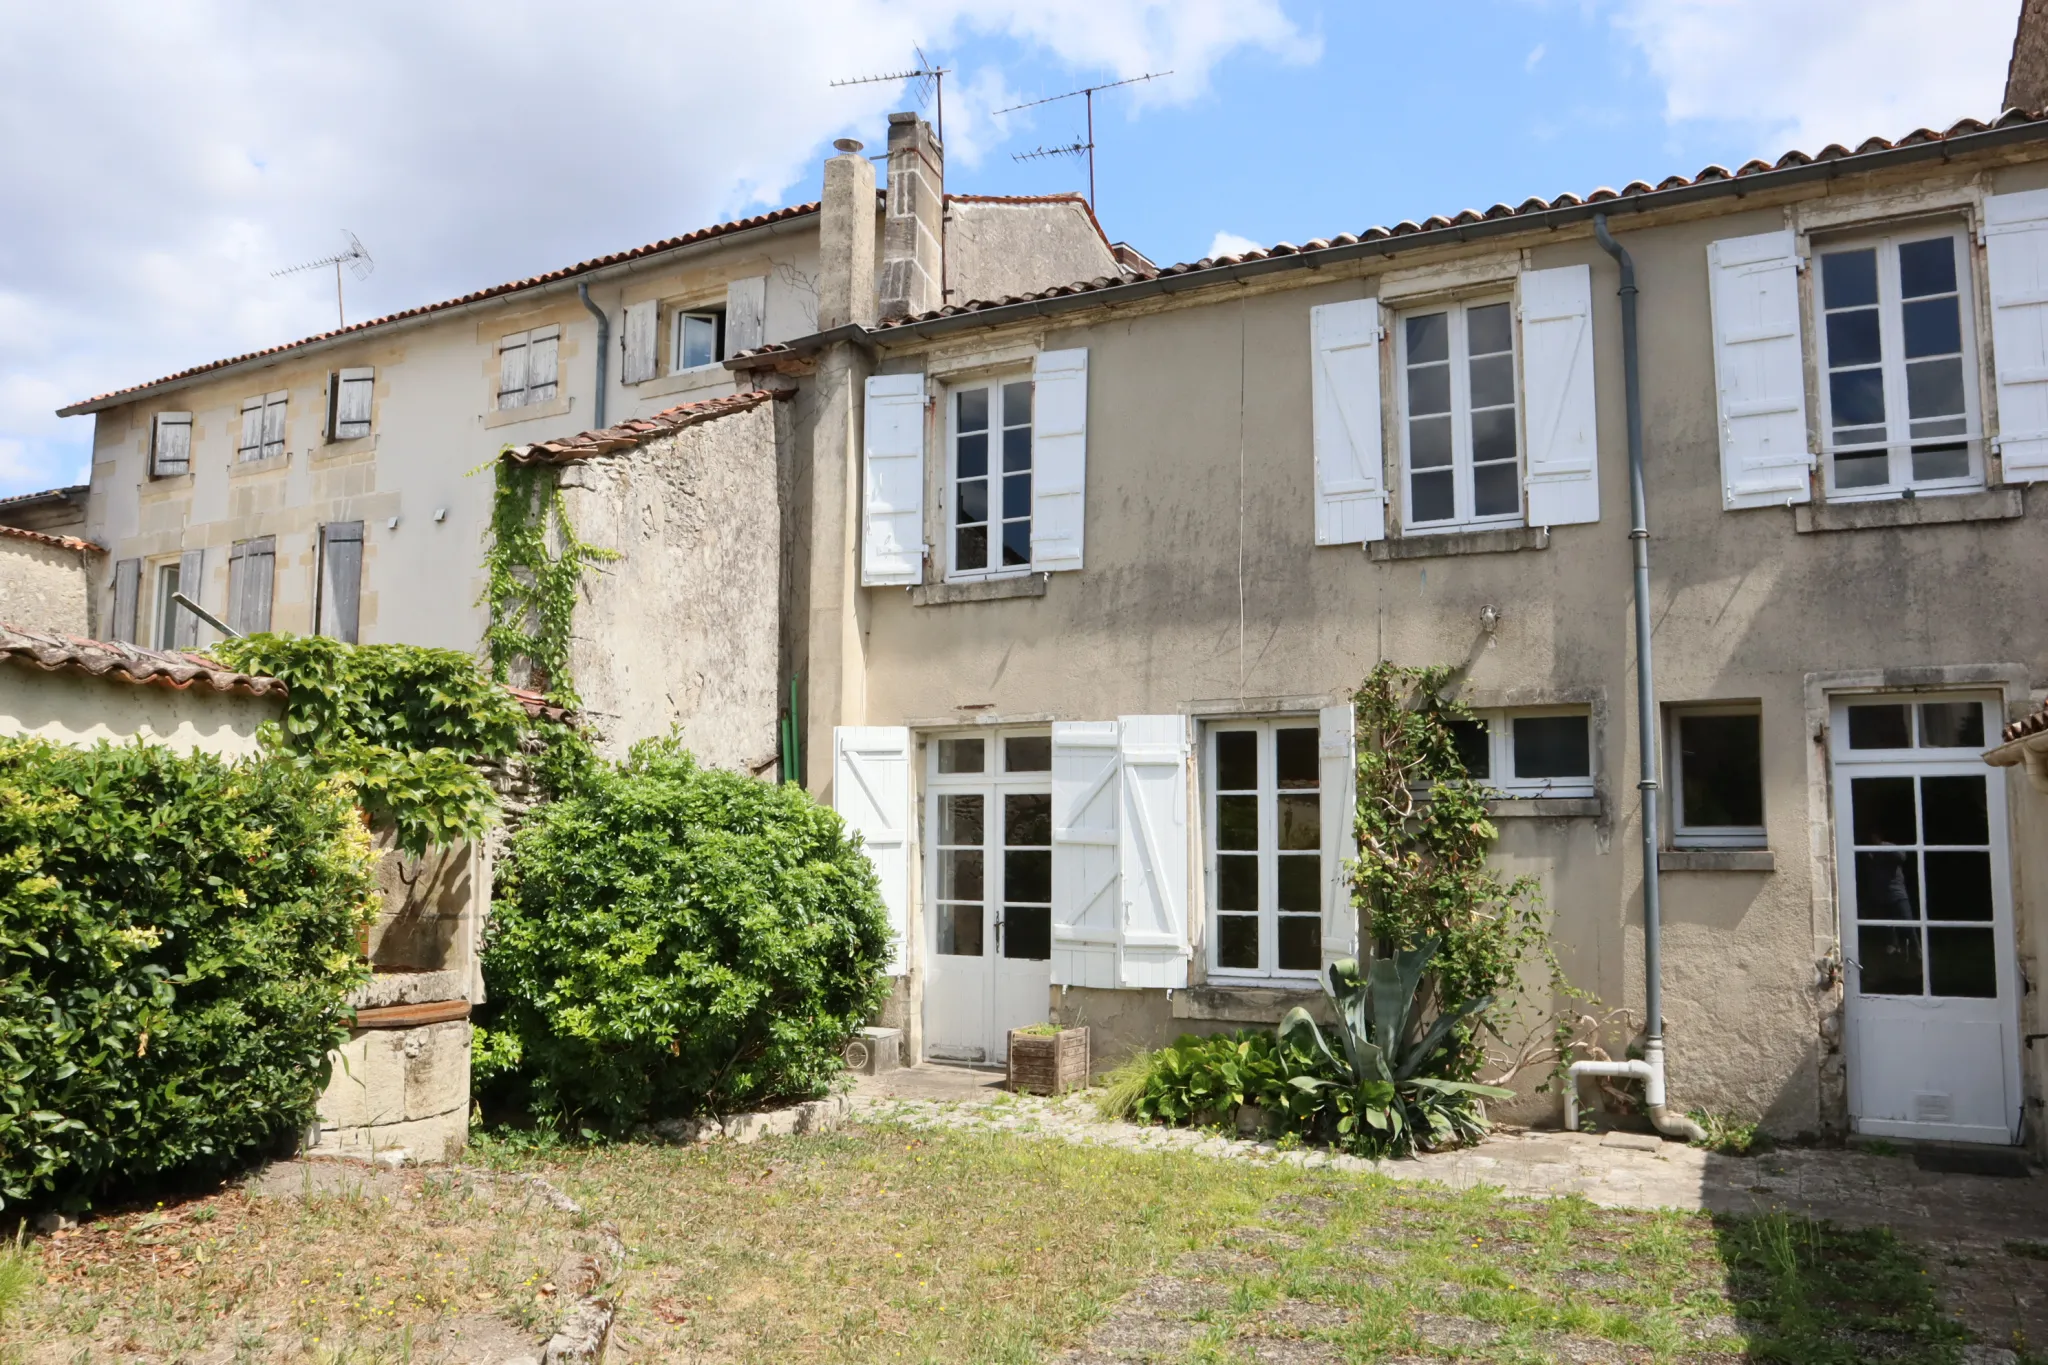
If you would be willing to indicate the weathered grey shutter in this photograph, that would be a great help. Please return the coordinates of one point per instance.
(540, 364)
(512, 371)
(353, 390)
(273, 423)
(746, 314)
(127, 593)
(191, 582)
(171, 450)
(251, 445)
(637, 342)
(251, 568)
(341, 579)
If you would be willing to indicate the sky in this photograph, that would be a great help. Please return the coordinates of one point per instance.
(162, 161)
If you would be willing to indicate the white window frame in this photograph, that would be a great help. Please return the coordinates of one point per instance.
(678, 321)
(1463, 518)
(166, 611)
(183, 422)
(1269, 848)
(1891, 329)
(995, 568)
(1683, 834)
(524, 396)
(1501, 754)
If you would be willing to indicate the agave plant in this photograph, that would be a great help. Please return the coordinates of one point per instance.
(1384, 1101)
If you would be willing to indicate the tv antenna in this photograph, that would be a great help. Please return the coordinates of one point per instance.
(931, 85)
(355, 256)
(1087, 146)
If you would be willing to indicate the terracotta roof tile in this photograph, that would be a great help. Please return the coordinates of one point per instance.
(128, 663)
(537, 705)
(2027, 725)
(55, 542)
(638, 431)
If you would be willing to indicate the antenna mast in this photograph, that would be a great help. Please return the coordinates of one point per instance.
(931, 84)
(1087, 93)
(355, 256)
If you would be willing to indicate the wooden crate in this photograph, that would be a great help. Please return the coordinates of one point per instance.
(1049, 1064)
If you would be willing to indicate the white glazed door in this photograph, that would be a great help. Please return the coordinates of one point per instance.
(1926, 895)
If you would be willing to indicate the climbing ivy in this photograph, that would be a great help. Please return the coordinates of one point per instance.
(533, 569)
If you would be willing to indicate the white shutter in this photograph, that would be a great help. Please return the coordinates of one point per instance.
(1339, 779)
(274, 405)
(636, 340)
(2016, 255)
(541, 348)
(1153, 850)
(1557, 382)
(1087, 890)
(892, 481)
(1059, 458)
(512, 371)
(1351, 500)
(251, 446)
(1759, 370)
(353, 390)
(746, 314)
(871, 792)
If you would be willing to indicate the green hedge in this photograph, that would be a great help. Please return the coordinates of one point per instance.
(672, 940)
(177, 937)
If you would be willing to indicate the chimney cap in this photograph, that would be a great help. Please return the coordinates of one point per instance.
(848, 145)
(905, 117)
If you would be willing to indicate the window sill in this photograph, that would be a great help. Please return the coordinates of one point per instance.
(1432, 546)
(1993, 504)
(1717, 860)
(248, 468)
(1233, 1002)
(330, 451)
(167, 485)
(505, 417)
(1515, 807)
(711, 376)
(980, 590)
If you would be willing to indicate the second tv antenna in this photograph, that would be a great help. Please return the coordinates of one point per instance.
(355, 256)
(931, 82)
(1087, 146)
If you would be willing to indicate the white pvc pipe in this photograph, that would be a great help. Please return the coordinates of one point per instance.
(1650, 1070)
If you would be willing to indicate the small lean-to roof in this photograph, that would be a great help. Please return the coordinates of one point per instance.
(780, 215)
(19, 501)
(638, 431)
(128, 663)
(54, 542)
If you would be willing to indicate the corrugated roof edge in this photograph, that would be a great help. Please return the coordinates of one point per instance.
(1531, 215)
(55, 542)
(127, 663)
(780, 215)
(637, 431)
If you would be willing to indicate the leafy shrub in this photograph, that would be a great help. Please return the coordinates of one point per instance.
(177, 939)
(671, 939)
(1210, 1077)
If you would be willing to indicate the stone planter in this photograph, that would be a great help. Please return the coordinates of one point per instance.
(1049, 1064)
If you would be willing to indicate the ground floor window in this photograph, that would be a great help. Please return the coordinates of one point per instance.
(1537, 752)
(1717, 785)
(1265, 836)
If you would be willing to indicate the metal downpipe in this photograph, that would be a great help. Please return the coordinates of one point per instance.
(604, 350)
(1667, 1122)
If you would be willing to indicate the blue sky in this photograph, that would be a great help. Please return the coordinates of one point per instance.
(467, 144)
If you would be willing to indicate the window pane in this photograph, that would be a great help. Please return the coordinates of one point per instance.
(1941, 462)
(1017, 448)
(1493, 435)
(1017, 495)
(699, 341)
(973, 501)
(1881, 725)
(960, 875)
(1474, 751)
(1237, 881)
(1295, 759)
(1496, 490)
(1927, 267)
(1433, 498)
(1301, 882)
(1862, 471)
(1886, 886)
(1933, 327)
(1552, 746)
(1852, 338)
(1429, 338)
(1721, 771)
(1027, 932)
(1237, 822)
(1951, 725)
(1493, 381)
(1858, 397)
(1429, 443)
(1017, 404)
(972, 410)
(1301, 943)
(1487, 330)
(960, 930)
(972, 460)
(1958, 885)
(1961, 962)
(1237, 942)
(1954, 810)
(1429, 389)
(960, 819)
(1849, 278)
(1301, 820)
(971, 548)
(1027, 754)
(1237, 760)
(1934, 388)
(1881, 811)
(1027, 822)
(1890, 960)
(1016, 543)
(1027, 875)
(964, 756)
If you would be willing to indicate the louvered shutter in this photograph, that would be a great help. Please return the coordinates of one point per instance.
(1153, 850)
(251, 565)
(1351, 500)
(352, 392)
(274, 407)
(746, 314)
(871, 792)
(1059, 459)
(251, 445)
(2016, 256)
(512, 371)
(1759, 370)
(542, 362)
(192, 583)
(637, 342)
(1557, 382)
(892, 481)
(171, 447)
(127, 595)
(1087, 887)
(1339, 779)
(341, 580)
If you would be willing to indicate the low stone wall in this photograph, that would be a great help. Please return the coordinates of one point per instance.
(399, 1093)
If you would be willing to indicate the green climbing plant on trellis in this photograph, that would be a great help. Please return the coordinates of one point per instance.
(533, 569)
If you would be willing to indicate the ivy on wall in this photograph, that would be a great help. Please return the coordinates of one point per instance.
(533, 567)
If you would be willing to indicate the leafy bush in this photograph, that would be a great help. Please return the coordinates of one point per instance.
(177, 939)
(671, 939)
(1211, 1076)
(404, 722)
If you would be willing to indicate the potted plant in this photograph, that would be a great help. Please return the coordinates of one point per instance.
(1046, 1059)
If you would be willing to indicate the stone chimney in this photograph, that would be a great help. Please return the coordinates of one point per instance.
(914, 229)
(2026, 79)
(846, 239)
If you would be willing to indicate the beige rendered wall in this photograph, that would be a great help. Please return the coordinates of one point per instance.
(1203, 592)
(73, 708)
(46, 587)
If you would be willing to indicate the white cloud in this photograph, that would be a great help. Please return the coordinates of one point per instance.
(1230, 244)
(173, 156)
(1535, 56)
(1824, 71)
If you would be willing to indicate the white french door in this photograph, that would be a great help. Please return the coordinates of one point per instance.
(1926, 903)
(988, 891)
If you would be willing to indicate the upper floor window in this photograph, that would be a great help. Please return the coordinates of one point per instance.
(1460, 448)
(696, 338)
(1545, 752)
(526, 367)
(991, 478)
(349, 394)
(1898, 393)
(262, 426)
(170, 445)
